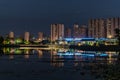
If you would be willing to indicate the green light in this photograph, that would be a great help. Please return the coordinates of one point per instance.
(26, 42)
(18, 51)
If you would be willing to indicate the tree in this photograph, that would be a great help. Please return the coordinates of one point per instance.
(117, 31)
(1, 40)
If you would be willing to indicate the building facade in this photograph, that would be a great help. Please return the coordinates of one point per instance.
(76, 32)
(11, 37)
(83, 31)
(57, 31)
(40, 36)
(27, 36)
(97, 28)
(111, 25)
(68, 33)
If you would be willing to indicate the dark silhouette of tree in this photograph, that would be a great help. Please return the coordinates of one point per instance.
(117, 32)
(1, 40)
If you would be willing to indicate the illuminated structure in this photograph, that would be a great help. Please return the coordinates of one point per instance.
(27, 36)
(76, 31)
(40, 36)
(11, 37)
(111, 25)
(83, 31)
(97, 28)
(68, 33)
(57, 31)
(103, 28)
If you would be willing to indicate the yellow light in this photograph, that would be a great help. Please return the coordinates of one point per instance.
(79, 44)
(110, 36)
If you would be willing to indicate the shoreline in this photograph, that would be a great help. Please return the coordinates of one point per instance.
(85, 47)
(96, 48)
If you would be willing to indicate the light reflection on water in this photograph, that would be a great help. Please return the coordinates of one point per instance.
(52, 64)
(63, 55)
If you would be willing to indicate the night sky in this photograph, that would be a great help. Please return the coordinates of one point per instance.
(37, 15)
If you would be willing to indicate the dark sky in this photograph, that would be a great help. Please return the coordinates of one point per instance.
(37, 15)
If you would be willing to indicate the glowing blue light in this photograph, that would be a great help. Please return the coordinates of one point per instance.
(66, 53)
(71, 54)
(78, 39)
(89, 55)
(102, 39)
(103, 54)
(68, 39)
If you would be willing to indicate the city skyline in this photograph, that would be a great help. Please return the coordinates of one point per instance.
(35, 16)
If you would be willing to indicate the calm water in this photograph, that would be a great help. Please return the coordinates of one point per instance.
(63, 64)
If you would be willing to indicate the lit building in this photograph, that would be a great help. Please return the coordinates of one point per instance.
(91, 28)
(111, 25)
(27, 36)
(68, 33)
(11, 37)
(83, 31)
(97, 28)
(76, 31)
(103, 28)
(40, 36)
(57, 31)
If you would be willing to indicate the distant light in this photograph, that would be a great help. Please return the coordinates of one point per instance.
(103, 54)
(110, 36)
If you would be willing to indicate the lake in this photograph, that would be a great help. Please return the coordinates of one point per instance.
(62, 64)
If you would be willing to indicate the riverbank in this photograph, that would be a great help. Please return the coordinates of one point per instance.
(23, 45)
(96, 48)
(85, 47)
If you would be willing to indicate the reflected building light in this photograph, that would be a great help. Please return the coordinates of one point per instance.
(11, 56)
(40, 53)
(54, 53)
(110, 58)
(26, 54)
(76, 59)
(75, 63)
(55, 62)
(11, 53)
(12, 50)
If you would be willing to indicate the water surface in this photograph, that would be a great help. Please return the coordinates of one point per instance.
(62, 64)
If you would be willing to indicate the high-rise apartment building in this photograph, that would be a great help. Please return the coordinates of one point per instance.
(11, 37)
(57, 31)
(111, 25)
(76, 33)
(68, 33)
(103, 28)
(40, 36)
(83, 31)
(91, 28)
(97, 28)
(27, 36)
